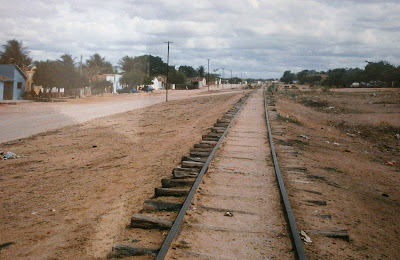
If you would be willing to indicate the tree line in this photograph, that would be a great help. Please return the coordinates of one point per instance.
(375, 74)
(69, 74)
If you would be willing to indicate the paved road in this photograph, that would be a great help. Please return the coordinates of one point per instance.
(26, 119)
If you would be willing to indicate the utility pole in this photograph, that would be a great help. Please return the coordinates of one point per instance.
(208, 77)
(81, 65)
(223, 74)
(166, 86)
(231, 78)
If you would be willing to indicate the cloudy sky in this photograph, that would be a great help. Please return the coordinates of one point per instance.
(258, 38)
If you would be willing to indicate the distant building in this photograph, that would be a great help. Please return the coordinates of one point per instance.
(12, 82)
(98, 77)
(29, 84)
(29, 71)
(159, 82)
(114, 79)
(57, 93)
(101, 77)
(198, 82)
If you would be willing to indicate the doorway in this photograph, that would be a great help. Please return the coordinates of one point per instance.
(8, 90)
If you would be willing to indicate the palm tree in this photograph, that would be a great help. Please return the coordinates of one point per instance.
(95, 63)
(126, 64)
(201, 70)
(68, 75)
(15, 53)
(98, 65)
(67, 60)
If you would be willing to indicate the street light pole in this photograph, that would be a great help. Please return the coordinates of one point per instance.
(166, 86)
(208, 76)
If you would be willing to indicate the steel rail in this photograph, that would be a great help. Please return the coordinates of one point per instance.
(179, 219)
(296, 240)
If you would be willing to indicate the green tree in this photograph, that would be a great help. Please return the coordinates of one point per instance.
(308, 76)
(134, 78)
(47, 74)
(354, 75)
(288, 77)
(337, 77)
(99, 86)
(151, 65)
(15, 53)
(201, 71)
(234, 80)
(126, 63)
(176, 77)
(302, 76)
(68, 75)
(188, 71)
(140, 70)
(380, 71)
(98, 65)
(67, 60)
(80, 81)
(397, 75)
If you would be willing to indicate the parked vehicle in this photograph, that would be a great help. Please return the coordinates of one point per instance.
(148, 88)
(126, 90)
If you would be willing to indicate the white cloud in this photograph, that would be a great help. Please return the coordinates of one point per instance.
(258, 37)
(254, 3)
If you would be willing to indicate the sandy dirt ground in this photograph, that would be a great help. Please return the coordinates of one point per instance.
(25, 119)
(349, 142)
(74, 189)
(72, 192)
(236, 212)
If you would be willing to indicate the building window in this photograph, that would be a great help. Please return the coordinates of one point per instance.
(19, 85)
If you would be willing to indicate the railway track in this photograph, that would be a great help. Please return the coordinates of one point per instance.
(237, 222)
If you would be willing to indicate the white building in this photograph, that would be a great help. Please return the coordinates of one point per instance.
(157, 84)
(114, 79)
(198, 82)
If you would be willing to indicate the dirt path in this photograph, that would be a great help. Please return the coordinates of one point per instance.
(73, 192)
(237, 212)
(26, 119)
